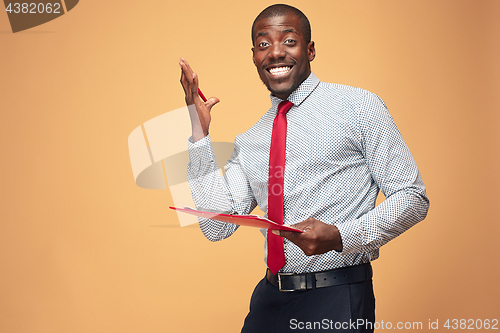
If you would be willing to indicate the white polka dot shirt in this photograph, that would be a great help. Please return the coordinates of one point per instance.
(342, 146)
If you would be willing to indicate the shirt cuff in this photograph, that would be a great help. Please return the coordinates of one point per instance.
(351, 234)
(200, 152)
(203, 141)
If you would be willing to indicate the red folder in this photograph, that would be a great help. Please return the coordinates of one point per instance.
(246, 220)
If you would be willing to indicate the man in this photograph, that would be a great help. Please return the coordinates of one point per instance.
(327, 149)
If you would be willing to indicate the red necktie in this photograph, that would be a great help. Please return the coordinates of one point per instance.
(275, 253)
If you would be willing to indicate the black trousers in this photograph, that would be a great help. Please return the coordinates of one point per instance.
(343, 308)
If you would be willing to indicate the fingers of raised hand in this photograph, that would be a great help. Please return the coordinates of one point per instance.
(186, 70)
(186, 79)
(184, 83)
(194, 86)
(189, 82)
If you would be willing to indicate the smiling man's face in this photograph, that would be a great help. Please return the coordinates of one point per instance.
(281, 54)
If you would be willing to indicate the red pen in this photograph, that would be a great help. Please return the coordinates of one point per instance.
(201, 95)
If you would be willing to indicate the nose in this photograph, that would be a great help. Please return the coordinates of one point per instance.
(277, 51)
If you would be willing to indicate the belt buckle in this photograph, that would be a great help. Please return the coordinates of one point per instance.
(279, 281)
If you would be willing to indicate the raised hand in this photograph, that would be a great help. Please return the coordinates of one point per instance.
(199, 111)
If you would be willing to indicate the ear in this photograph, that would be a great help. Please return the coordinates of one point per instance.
(253, 55)
(311, 51)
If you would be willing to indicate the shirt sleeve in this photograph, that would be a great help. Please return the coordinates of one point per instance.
(394, 170)
(231, 192)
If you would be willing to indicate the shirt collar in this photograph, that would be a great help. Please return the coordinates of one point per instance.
(301, 93)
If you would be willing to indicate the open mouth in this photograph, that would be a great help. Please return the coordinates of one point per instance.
(280, 70)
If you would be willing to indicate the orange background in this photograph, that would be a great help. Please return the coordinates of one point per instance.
(83, 249)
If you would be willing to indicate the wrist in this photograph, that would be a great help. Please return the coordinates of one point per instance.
(337, 239)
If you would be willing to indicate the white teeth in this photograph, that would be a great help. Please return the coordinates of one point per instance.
(279, 70)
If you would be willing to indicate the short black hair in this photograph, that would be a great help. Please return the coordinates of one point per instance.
(280, 10)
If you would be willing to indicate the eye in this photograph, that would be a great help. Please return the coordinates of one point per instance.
(263, 44)
(290, 41)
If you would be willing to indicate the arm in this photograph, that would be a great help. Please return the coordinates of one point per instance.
(231, 192)
(208, 188)
(199, 111)
(393, 169)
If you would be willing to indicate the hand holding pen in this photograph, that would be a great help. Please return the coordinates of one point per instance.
(199, 107)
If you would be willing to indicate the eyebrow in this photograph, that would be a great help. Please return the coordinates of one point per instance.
(289, 30)
(262, 33)
(265, 33)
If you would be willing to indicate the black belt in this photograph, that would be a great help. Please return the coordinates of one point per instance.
(334, 277)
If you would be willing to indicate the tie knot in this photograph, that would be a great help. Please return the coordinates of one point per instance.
(284, 106)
